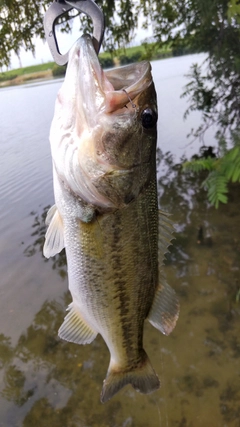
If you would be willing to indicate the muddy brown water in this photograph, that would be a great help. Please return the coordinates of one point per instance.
(49, 382)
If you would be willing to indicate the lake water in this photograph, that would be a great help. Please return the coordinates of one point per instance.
(48, 382)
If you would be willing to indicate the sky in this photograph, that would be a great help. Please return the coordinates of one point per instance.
(42, 52)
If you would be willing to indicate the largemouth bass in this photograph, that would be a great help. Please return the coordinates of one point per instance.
(103, 142)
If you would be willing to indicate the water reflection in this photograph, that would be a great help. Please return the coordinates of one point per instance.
(14, 381)
(59, 262)
(47, 381)
(6, 350)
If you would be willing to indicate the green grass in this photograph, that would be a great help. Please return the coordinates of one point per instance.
(10, 75)
(35, 68)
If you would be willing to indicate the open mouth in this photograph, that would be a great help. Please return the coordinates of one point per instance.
(128, 82)
(108, 90)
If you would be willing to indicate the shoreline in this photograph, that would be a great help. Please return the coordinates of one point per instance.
(19, 80)
(54, 71)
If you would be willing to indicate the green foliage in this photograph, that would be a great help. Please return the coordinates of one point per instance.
(216, 185)
(185, 25)
(214, 86)
(20, 21)
(58, 70)
(221, 171)
(214, 90)
(234, 10)
(130, 58)
(181, 25)
(150, 51)
(106, 61)
(198, 165)
(5, 76)
(30, 71)
(10, 75)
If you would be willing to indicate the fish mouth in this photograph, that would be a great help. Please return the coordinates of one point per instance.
(97, 142)
(103, 91)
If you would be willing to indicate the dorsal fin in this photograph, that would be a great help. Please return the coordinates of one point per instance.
(165, 230)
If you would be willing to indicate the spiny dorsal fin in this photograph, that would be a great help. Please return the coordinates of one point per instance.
(54, 240)
(165, 308)
(165, 230)
(75, 329)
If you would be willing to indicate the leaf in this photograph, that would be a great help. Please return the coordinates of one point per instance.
(216, 184)
(222, 198)
(200, 164)
(236, 175)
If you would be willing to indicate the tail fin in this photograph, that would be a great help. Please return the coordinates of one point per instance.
(143, 378)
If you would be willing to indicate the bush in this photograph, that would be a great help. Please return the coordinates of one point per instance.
(129, 59)
(59, 70)
(106, 62)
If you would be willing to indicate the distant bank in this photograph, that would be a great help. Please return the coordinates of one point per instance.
(147, 51)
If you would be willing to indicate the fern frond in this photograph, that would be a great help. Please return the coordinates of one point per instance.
(236, 174)
(216, 185)
(230, 164)
(221, 170)
(200, 164)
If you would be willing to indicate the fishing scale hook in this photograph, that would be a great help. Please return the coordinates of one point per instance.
(59, 8)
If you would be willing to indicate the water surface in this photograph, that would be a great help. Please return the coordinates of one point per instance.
(48, 382)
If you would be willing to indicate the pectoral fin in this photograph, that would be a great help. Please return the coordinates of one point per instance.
(50, 214)
(75, 329)
(165, 308)
(54, 240)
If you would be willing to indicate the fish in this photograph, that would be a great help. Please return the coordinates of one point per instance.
(103, 140)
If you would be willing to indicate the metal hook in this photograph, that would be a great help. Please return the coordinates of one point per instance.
(59, 8)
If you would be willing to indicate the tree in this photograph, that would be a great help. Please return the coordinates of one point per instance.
(214, 90)
(211, 26)
(22, 20)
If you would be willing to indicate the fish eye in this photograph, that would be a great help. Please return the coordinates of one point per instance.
(149, 118)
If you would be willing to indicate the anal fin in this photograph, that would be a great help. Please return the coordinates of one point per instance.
(165, 308)
(75, 329)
